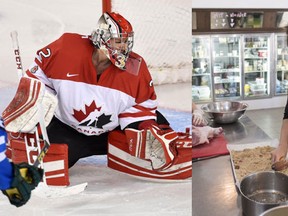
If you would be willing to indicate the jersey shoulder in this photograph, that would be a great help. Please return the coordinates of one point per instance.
(70, 42)
(67, 37)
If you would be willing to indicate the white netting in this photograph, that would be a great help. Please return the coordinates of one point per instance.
(162, 36)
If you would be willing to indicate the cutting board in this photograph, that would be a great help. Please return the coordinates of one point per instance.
(216, 147)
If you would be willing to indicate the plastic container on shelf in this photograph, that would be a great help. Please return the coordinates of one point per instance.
(254, 86)
(204, 92)
(246, 89)
(217, 79)
(201, 92)
(195, 93)
(234, 78)
(259, 92)
(260, 80)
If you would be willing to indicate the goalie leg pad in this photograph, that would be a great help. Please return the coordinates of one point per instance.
(152, 144)
(120, 159)
(55, 161)
(162, 149)
(136, 142)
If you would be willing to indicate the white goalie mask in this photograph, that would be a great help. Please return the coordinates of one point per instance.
(115, 37)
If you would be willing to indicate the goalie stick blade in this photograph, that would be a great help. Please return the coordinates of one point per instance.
(45, 191)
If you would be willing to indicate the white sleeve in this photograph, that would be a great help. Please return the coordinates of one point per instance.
(138, 112)
(35, 70)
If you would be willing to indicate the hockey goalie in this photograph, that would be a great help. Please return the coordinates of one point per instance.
(97, 98)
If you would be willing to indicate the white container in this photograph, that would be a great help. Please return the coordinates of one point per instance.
(217, 79)
(254, 86)
(235, 52)
(260, 80)
(259, 92)
(204, 92)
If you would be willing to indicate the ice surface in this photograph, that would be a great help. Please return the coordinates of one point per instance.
(108, 192)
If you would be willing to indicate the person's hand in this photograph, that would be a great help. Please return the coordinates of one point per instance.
(279, 153)
(26, 178)
(198, 118)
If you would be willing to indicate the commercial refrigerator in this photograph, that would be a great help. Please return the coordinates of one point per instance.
(236, 67)
(201, 69)
(226, 67)
(281, 66)
(257, 65)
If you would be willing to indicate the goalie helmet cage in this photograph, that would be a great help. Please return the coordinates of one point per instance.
(162, 35)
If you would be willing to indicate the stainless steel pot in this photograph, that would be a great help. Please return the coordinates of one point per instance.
(276, 211)
(263, 190)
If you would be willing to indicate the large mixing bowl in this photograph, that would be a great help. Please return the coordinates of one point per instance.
(225, 112)
(262, 191)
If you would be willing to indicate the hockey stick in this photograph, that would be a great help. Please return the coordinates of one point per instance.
(15, 43)
(42, 152)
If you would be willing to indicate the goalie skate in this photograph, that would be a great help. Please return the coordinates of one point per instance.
(45, 191)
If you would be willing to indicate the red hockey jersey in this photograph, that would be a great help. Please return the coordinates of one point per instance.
(89, 105)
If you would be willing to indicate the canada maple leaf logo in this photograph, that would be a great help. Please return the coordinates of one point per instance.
(91, 116)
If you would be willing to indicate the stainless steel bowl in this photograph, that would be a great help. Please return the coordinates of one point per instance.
(263, 190)
(225, 112)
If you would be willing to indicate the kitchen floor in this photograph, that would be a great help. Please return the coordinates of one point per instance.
(269, 120)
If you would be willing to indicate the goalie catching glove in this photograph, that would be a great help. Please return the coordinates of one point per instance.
(154, 144)
(23, 112)
(25, 179)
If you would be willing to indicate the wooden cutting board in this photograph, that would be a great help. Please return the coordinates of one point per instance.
(216, 147)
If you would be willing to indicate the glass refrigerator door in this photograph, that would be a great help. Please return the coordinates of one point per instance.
(226, 67)
(201, 68)
(256, 65)
(281, 86)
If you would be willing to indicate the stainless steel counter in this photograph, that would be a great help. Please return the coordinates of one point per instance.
(214, 191)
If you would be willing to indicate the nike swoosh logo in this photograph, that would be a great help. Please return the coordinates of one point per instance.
(71, 75)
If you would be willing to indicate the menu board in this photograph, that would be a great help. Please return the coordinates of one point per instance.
(242, 19)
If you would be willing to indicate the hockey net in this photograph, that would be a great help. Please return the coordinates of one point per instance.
(162, 36)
